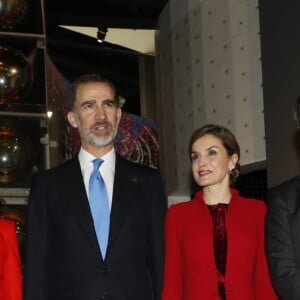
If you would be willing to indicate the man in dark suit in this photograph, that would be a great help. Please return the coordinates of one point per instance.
(283, 234)
(283, 238)
(64, 259)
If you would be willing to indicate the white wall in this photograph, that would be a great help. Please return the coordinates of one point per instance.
(208, 62)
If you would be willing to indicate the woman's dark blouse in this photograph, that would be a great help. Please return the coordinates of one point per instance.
(218, 214)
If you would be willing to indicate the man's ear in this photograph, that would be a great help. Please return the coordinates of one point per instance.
(72, 119)
(119, 115)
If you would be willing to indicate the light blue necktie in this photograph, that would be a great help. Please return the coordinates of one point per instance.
(99, 205)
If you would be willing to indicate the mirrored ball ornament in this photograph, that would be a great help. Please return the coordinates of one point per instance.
(12, 12)
(15, 75)
(10, 155)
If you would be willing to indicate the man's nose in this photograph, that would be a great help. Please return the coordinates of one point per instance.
(100, 112)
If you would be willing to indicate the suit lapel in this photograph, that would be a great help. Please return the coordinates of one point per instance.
(124, 195)
(79, 202)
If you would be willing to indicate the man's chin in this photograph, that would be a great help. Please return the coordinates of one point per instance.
(101, 142)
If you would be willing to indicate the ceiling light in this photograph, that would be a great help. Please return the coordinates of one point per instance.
(101, 34)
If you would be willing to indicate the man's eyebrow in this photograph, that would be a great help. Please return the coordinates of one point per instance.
(87, 102)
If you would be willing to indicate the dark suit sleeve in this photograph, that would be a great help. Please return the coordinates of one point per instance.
(158, 211)
(284, 271)
(264, 289)
(36, 256)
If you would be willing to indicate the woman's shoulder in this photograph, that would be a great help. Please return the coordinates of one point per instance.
(7, 227)
(182, 213)
(183, 207)
(6, 224)
(252, 204)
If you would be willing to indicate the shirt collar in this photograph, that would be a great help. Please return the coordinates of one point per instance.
(85, 158)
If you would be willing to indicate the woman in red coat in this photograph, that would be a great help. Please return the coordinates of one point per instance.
(10, 266)
(215, 242)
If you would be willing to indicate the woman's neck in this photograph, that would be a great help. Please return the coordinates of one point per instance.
(215, 195)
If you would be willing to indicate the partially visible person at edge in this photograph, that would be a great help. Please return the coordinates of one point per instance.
(10, 264)
(67, 256)
(283, 234)
(215, 242)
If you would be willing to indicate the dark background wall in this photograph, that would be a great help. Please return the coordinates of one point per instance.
(280, 42)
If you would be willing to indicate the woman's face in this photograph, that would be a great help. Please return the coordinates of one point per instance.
(211, 162)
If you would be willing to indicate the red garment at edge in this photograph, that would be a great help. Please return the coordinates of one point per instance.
(10, 265)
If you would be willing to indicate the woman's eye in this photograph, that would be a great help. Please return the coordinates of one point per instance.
(194, 157)
(212, 152)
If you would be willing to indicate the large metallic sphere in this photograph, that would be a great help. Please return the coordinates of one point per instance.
(15, 75)
(12, 12)
(10, 155)
(16, 152)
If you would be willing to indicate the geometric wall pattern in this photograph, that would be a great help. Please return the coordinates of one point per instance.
(208, 60)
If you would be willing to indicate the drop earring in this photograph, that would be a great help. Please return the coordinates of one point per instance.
(231, 168)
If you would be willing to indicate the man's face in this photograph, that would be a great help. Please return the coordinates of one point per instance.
(96, 115)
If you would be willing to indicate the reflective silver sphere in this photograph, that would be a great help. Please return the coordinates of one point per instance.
(12, 12)
(15, 75)
(10, 155)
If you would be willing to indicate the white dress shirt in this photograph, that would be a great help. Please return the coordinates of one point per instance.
(107, 170)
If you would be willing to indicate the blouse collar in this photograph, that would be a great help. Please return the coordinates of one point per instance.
(234, 196)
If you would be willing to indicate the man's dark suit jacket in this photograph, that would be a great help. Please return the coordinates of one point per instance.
(283, 238)
(63, 257)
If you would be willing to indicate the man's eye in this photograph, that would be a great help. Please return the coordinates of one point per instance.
(108, 104)
(88, 105)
